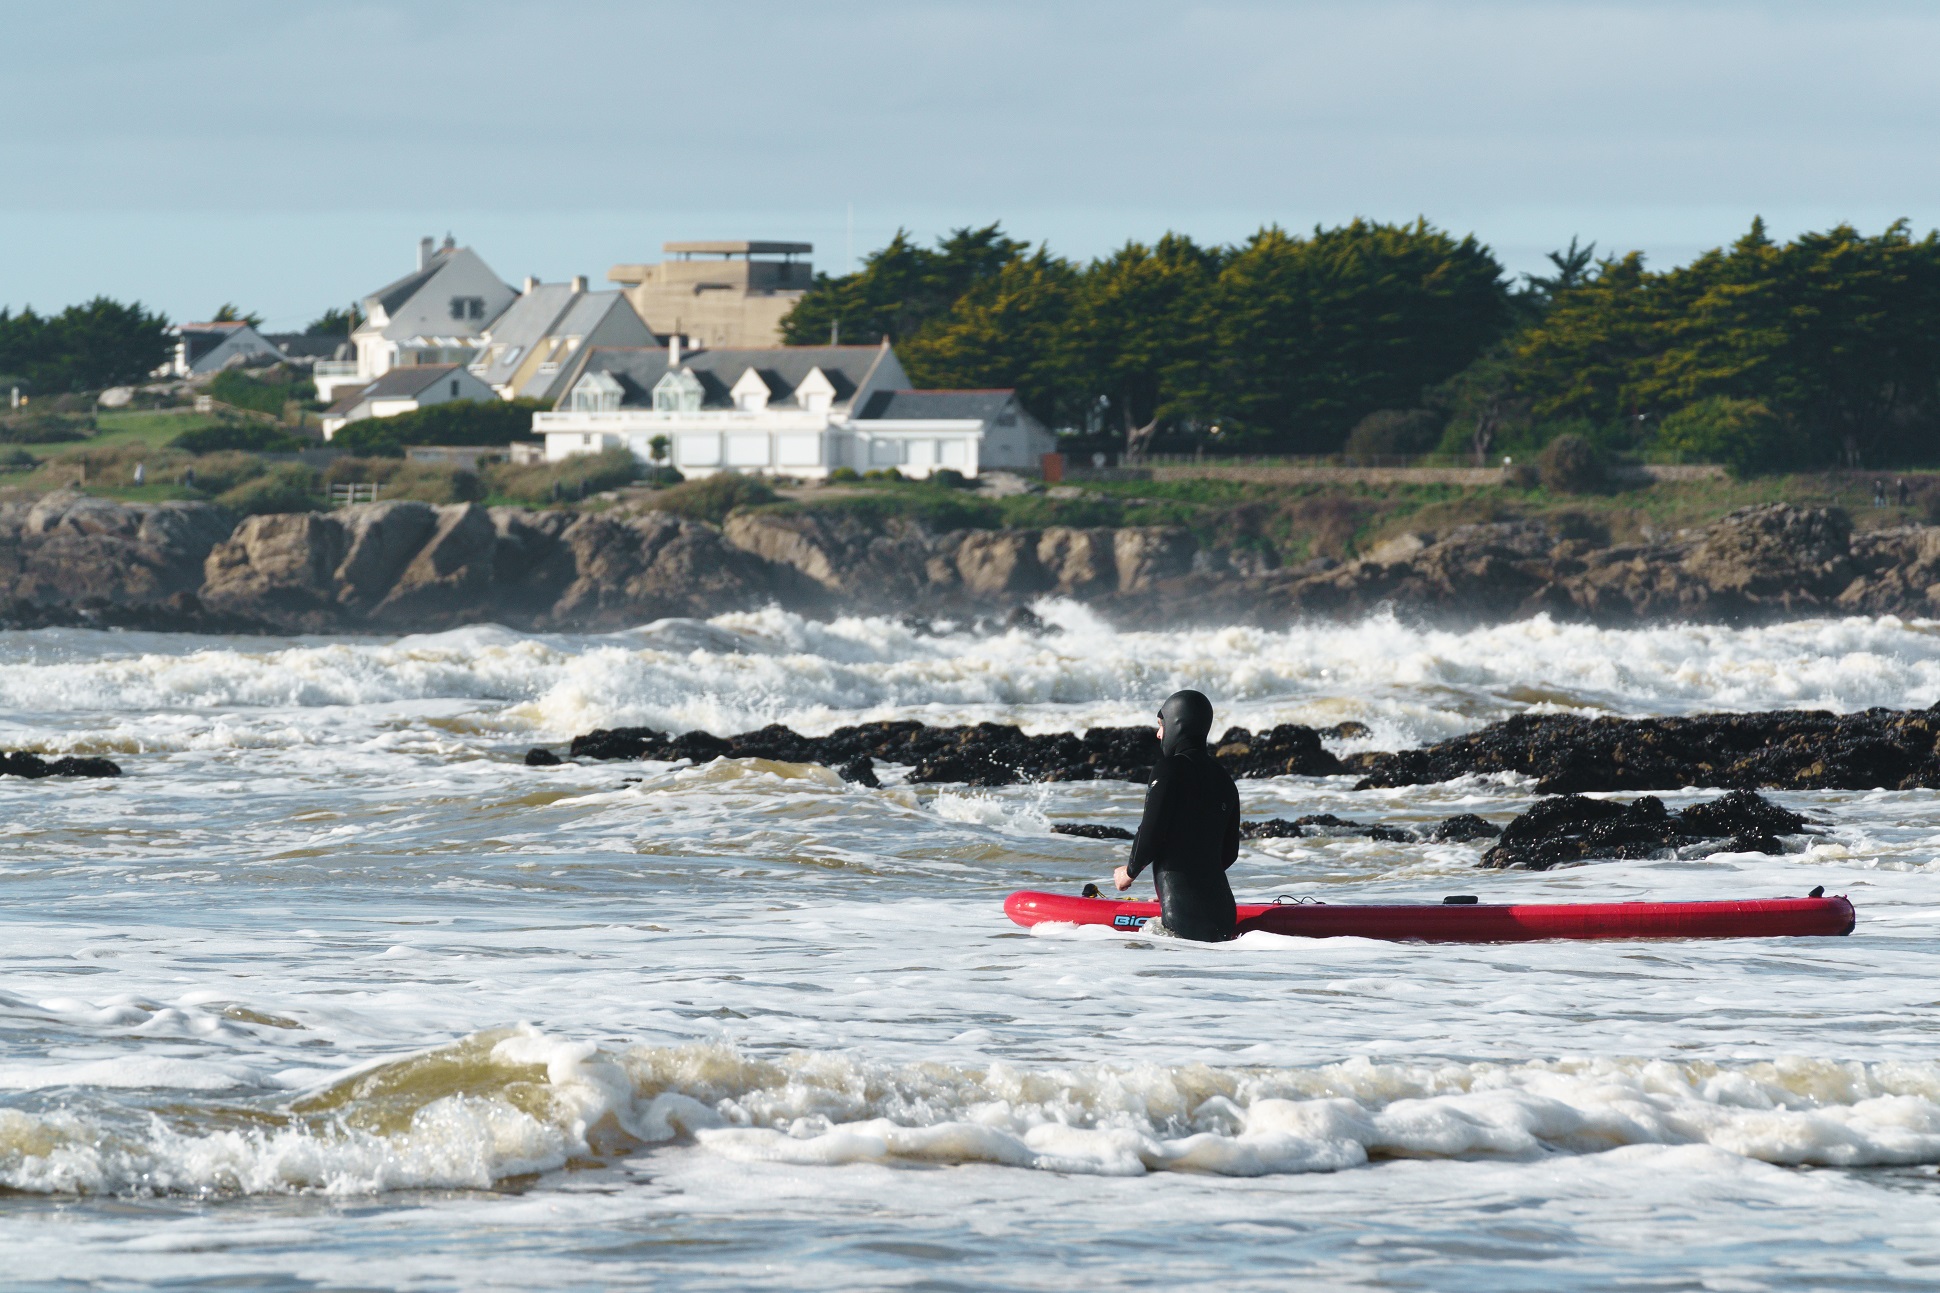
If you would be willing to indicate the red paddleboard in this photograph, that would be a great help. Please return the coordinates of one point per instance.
(1475, 922)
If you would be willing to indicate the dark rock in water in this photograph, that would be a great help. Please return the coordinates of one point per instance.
(988, 754)
(1785, 749)
(1091, 830)
(540, 757)
(1573, 828)
(1462, 828)
(1349, 731)
(24, 763)
(618, 743)
(1279, 828)
(1288, 749)
(862, 771)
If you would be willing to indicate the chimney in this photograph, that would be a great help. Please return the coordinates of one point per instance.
(424, 252)
(673, 351)
(530, 282)
(451, 244)
(579, 284)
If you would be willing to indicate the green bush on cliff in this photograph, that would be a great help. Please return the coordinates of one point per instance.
(250, 437)
(713, 497)
(1570, 464)
(456, 422)
(1744, 435)
(287, 487)
(567, 481)
(267, 391)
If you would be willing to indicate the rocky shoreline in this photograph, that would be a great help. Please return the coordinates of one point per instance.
(1565, 753)
(71, 559)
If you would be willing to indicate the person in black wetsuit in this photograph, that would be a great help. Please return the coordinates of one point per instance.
(1190, 832)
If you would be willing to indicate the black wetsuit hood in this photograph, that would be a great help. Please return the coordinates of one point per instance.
(1188, 717)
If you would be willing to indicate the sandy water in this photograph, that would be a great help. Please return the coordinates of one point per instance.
(329, 991)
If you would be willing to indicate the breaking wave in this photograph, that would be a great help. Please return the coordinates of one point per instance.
(513, 1101)
(736, 672)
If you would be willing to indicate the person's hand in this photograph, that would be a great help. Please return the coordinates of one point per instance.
(1122, 877)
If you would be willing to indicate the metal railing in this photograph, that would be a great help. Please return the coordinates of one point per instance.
(352, 492)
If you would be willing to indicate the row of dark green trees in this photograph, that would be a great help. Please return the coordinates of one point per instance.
(1398, 339)
(84, 347)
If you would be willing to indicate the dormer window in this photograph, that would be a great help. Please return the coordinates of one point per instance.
(816, 393)
(750, 393)
(678, 392)
(595, 393)
(468, 307)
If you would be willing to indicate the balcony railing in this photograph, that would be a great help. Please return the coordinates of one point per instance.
(335, 368)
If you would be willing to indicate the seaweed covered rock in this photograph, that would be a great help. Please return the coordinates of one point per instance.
(1782, 749)
(1574, 828)
(987, 754)
(1091, 830)
(25, 763)
(1462, 828)
(1288, 749)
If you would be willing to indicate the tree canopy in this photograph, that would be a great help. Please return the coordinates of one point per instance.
(1285, 341)
(84, 347)
(1762, 354)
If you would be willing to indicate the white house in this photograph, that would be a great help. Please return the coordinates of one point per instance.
(202, 348)
(404, 390)
(436, 315)
(528, 351)
(801, 411)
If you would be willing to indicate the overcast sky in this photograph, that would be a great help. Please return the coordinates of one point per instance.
(287, 156)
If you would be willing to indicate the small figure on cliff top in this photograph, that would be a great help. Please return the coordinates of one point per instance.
(1879, 493)
(1190, 832)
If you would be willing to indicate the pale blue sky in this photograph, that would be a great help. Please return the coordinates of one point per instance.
(288, 155)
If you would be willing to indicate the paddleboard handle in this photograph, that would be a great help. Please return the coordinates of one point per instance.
(1460, 900)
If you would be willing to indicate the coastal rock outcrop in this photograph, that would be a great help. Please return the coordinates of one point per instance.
(988, 754)
(407, 565)
(1573, 828)
(66, 558)
(400, 566)
(1783, 749)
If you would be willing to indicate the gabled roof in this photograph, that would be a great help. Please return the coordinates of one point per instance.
(394, 294)
(985, 405)
(525, 323)
(586, 312)
(783, 368)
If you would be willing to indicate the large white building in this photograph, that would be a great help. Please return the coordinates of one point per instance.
(438, 314)
(801, 411)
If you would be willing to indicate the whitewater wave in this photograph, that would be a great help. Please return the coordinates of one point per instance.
(513, 1101)
(737, 672)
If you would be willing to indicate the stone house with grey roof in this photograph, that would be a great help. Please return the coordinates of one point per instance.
(800, 411)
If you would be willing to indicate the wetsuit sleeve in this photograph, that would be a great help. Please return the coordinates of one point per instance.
(1151, 828)
(1229, 847)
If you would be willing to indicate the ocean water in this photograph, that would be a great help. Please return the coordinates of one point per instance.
(330, 991)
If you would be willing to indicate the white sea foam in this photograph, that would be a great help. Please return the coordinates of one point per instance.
(516, 1101)
(740, 671)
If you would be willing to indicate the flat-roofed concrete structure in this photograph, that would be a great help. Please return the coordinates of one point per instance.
(721, 293)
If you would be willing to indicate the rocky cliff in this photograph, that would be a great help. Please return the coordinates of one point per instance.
(397, 566)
